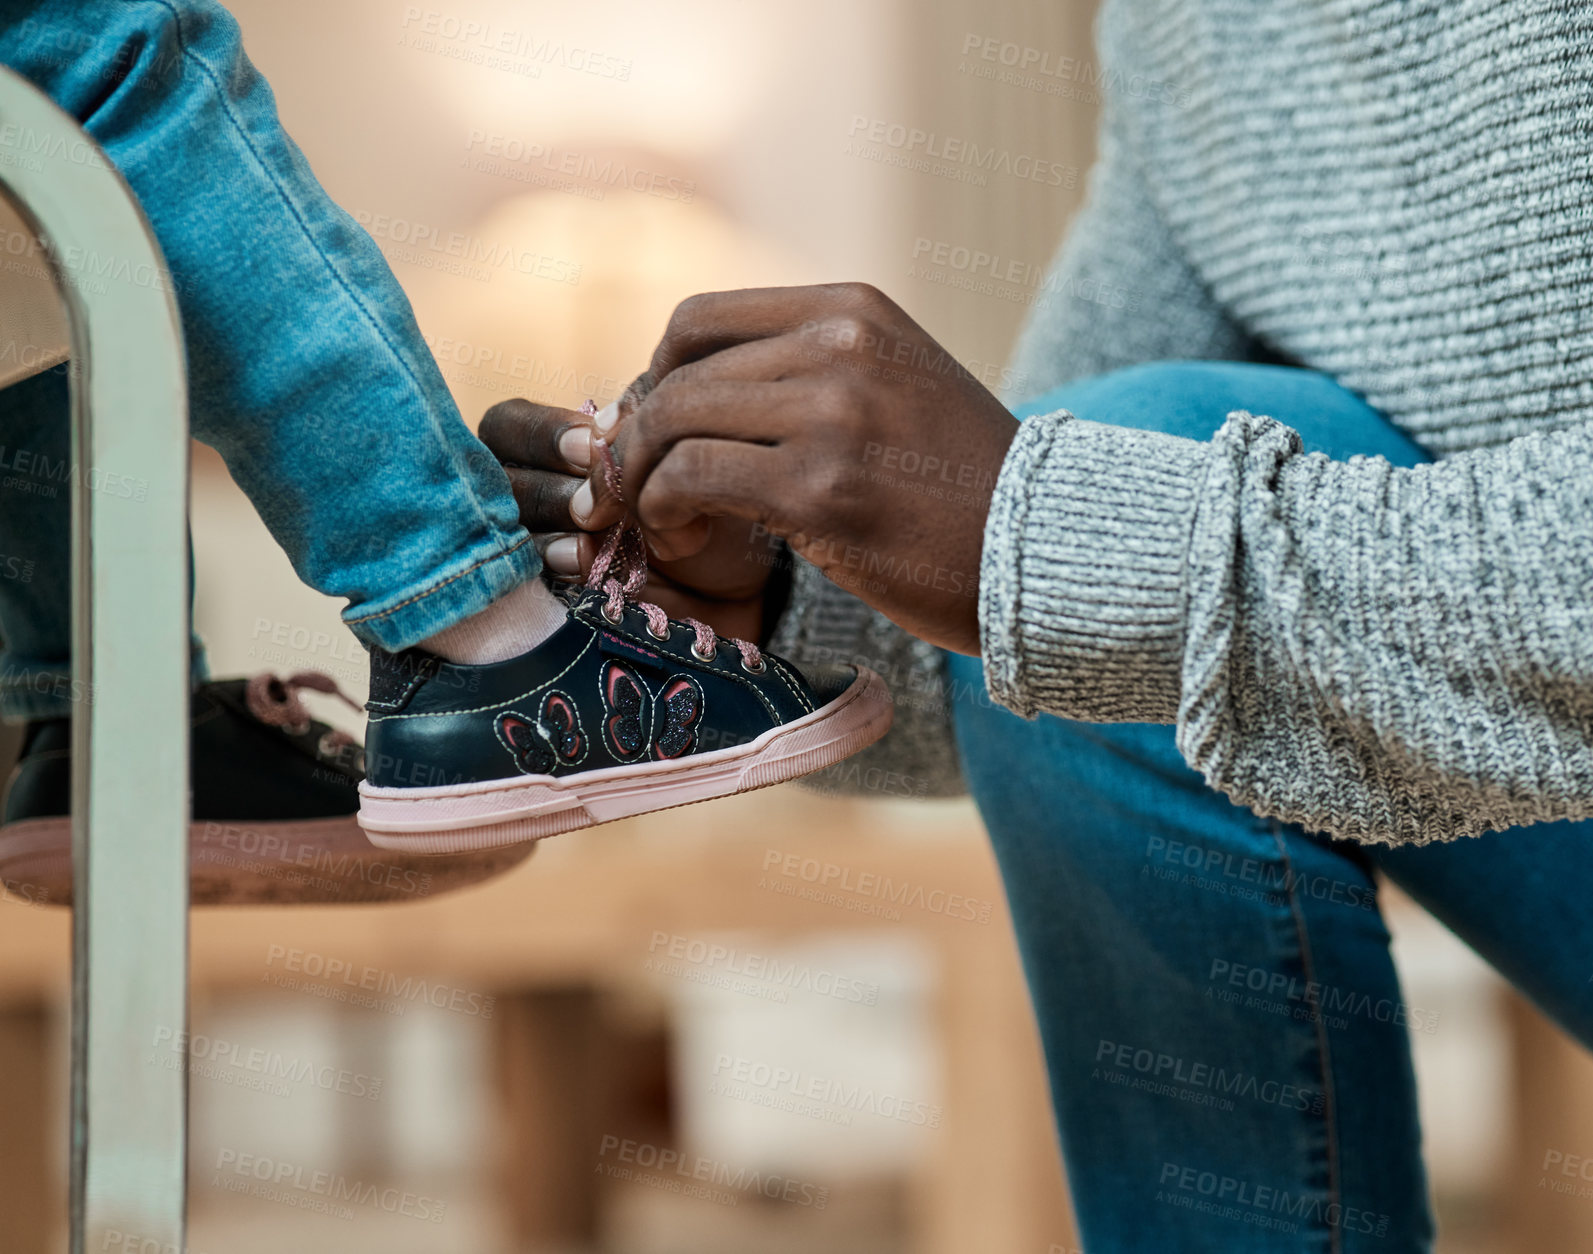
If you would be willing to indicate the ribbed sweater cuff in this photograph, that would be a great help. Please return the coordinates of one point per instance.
(1081, 601)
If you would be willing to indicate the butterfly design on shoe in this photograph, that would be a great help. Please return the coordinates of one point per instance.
(682, 702)
(629, 713)
(554, 738)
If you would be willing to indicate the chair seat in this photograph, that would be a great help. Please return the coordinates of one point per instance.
(316, 862)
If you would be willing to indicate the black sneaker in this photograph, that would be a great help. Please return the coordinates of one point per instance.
(620, 712)
(274, 801)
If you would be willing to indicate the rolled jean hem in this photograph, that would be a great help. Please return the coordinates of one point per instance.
(40, 690)
(409, 616)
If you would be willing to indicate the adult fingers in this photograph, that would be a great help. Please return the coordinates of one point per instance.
(720, 409)
(544, 437)
(544, 498)
(728, 394)
(713, 321)
(568, 554)
(702, 479)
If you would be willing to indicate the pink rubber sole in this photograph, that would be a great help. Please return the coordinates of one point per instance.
(457, 817)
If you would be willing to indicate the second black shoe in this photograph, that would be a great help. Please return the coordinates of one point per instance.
(274, 797)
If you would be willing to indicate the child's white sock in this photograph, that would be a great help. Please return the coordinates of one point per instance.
(515, 623)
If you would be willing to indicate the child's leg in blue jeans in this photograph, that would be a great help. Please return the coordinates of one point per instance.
(307, 371)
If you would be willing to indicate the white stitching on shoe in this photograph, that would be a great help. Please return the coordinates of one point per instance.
(496, 705)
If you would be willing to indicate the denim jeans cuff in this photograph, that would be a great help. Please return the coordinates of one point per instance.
(467, 586)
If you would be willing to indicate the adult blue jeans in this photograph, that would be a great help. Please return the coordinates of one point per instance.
(307, 372)
(1227, 1043)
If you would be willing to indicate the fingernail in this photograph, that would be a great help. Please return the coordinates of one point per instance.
(607, 417)
(581, 503)
(563, 555)
(575, 446)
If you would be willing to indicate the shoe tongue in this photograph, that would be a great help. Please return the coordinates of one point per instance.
(570, 593)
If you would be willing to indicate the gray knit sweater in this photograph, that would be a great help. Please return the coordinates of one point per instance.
(1400, 194)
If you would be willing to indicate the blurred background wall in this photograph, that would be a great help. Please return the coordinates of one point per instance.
(635, 1043)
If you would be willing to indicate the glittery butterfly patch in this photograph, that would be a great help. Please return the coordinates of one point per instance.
(682, 702)
(627, 710)
(554, 738)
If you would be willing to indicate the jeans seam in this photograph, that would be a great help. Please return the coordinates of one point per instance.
(441, 584)
(1324, 1051)
(189, 53)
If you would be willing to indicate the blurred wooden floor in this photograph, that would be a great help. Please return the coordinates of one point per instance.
(583, 914)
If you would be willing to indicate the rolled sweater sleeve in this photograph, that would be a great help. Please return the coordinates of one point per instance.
(1389, 655)
(1118, 293)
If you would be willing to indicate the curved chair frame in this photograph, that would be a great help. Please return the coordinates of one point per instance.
(130, 654)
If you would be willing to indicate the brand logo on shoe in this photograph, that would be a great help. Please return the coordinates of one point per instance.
(555, 738)
(619, 642)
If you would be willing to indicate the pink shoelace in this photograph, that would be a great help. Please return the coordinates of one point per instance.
(619, 571)
(276, 703)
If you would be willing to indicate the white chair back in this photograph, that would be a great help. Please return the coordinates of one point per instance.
(129, 661)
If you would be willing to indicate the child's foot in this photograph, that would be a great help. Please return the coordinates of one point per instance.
(620, 712)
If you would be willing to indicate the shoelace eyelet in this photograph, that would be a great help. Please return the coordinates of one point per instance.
(702, 657)
(657, 635)
(759, 669)
(612, 619)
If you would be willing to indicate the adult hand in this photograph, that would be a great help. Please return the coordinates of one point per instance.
(826, 416)
(547, 453)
